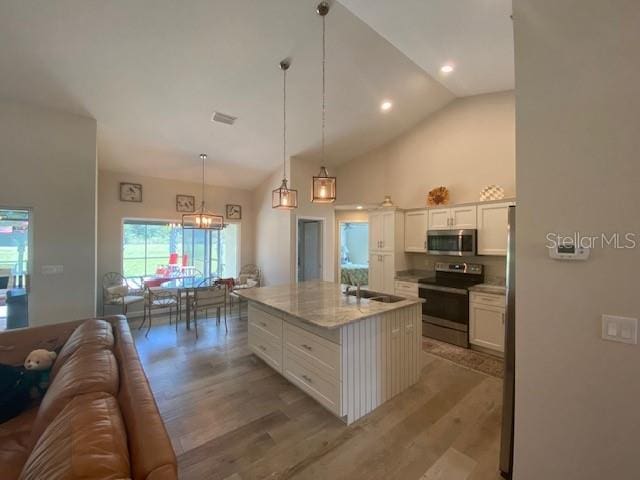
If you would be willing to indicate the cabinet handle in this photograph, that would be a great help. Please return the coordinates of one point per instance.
(306, 347)
(262, 347)
(307, 379)
(263, 324)
(503, 319)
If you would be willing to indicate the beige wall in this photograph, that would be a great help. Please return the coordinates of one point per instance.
(48, 164)
(578, 124)
(466, 146)
(159, 202)
(273, 230)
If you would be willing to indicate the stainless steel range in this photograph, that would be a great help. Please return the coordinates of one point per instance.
(445, 313)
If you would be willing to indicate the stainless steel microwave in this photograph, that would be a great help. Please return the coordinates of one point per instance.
(459, 243)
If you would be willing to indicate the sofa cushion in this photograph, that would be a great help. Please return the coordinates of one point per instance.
(87, 371)
(151, 454)
(87, 440)
(94, 332)
(15, 444)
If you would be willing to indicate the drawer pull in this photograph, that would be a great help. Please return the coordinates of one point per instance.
(306, 347)
(307, 379)
(262, 347)
(263, 324)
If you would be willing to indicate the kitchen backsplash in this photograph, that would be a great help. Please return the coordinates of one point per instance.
(495, 268)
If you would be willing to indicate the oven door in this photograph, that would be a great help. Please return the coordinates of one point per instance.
(446, 307)
(460, 243)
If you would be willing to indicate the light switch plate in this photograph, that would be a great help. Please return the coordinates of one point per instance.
(52, 269)
(620, 329)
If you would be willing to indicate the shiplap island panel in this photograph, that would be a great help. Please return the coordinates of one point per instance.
(350, 355)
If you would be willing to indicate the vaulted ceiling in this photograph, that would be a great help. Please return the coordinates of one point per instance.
(152, 72)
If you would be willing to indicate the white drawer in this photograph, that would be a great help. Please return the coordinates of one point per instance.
(268, 323)
(488, 299)
(323, 354)
(407, 289)
(303, 375)
(260, 344)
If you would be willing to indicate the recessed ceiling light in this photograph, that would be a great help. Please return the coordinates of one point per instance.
(386, 106)
(359, 207)
(446, 68)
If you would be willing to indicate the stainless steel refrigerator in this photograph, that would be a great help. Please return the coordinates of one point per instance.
(508, 393)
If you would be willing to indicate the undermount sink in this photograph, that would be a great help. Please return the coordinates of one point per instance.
(376, 296)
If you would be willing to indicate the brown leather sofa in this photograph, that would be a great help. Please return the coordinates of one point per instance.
(97, 420)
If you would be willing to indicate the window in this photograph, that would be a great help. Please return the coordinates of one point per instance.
(148, 245)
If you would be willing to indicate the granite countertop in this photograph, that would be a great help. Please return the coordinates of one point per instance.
(489, 288)
(320, 303)
(413, 276)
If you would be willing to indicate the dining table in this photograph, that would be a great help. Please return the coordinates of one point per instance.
(187, 286)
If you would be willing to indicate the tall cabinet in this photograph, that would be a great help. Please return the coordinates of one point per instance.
(386, 248)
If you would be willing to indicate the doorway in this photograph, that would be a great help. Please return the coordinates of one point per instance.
(15, 259)
(310, 234)
(354, 253)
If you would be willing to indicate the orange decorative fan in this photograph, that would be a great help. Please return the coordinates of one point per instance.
(438, 196)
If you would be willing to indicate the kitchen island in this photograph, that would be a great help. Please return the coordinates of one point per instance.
(350, 354)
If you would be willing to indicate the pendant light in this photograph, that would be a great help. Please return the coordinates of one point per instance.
(323, 189)
(284, 198)
(201, 219)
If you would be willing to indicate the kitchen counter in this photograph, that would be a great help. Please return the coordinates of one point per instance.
(413, 276)
(322, 304)
(489, 288)
(333, 347)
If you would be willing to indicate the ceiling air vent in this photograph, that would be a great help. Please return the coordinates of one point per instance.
(223, 118)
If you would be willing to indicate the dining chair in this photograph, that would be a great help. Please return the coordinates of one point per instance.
(158, 299)
(211, 293)
(120, 291)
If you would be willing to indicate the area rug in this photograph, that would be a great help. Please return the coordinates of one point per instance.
(481, 362)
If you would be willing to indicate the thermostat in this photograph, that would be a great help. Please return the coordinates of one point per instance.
(569, 252)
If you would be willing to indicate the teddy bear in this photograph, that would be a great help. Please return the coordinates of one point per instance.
(38, 364)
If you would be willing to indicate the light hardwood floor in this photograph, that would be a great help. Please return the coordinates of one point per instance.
(230, 416)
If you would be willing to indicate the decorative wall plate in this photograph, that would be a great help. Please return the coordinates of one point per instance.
(234, 212)
(492, 192)
(185, 203)
(130, 192)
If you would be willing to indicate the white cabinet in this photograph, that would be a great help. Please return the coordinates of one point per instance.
(463, 217)
(382, 272)
(486, 321)
(492, 228)
(439, 219)
(382, 230)
(454, 218)
(416, 224)
(386, 248)
(406, 289)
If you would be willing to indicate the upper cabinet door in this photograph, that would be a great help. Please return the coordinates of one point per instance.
(415, 231)
(463, 217)
(492, 228)
(439, 219)
(375, 231)
(388, 231)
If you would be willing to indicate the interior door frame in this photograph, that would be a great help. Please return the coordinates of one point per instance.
(322, 222)
(30, 252)
(339, 249)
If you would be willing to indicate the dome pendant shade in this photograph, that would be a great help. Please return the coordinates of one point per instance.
(284, 198)
(323, 188)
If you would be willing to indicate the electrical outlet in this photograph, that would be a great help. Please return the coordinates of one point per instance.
(620, 329)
